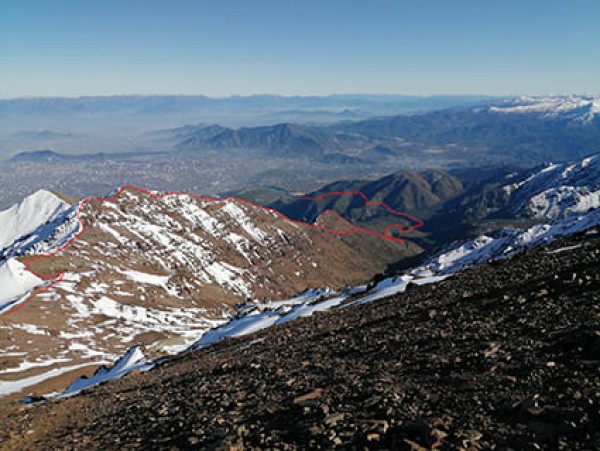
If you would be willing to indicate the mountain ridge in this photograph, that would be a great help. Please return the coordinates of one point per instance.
(130, 259)
(408, 191)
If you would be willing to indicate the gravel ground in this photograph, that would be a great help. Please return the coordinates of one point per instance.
(505, 355)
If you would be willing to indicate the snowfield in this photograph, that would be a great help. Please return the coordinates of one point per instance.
(583, 108)
(42, 222)
(558, 190)
(16, 283)
(24, 218)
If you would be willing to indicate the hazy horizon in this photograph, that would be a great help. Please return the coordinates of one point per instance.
(270, 94)
(291, 96)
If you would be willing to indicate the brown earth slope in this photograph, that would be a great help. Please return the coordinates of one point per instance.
(500, 356)
(161, 271)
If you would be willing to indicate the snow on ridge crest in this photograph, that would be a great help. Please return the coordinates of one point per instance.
(558, 190)
(582, 108)
(16, 283)
(504, 243)
(25, 217)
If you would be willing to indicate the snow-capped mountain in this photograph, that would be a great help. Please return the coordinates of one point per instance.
(581, 108)
(505, 243)
(562, 199)
(156, 270)
(548, 192)
(15, 282)
(557, 191)
(42, 222)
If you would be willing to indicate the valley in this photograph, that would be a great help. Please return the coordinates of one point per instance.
(214, 159)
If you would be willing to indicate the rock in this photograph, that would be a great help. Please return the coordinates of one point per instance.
(373, 437)
(332, 420)
(317, 393)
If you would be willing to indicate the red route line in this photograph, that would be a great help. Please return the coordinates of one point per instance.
(58, 277)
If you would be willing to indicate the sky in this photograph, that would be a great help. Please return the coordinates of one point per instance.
(298, 47)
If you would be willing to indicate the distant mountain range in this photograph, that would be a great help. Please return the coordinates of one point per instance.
(341, 105)
(284, 140)
(523, 131)
(128, 123)
(526, 131)
(472, 141)
(516, 130)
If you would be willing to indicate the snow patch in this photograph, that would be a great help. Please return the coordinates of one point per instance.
(133, 360)
(582, 108)
(41, 222)
(8, 387)
(16, 282)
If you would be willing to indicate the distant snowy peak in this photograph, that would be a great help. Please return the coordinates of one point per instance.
(41, 222)
(582, 108)
(558, 190)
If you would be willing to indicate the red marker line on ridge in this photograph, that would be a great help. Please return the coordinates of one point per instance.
(58, 277)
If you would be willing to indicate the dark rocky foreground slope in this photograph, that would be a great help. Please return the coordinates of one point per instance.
(500, 356)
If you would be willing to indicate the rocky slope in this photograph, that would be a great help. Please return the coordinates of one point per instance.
(501, 355)
(159, 271)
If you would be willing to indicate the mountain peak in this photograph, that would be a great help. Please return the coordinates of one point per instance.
(25, 217)
(37, 155)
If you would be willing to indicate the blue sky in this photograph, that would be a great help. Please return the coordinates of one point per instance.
(224, 47)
